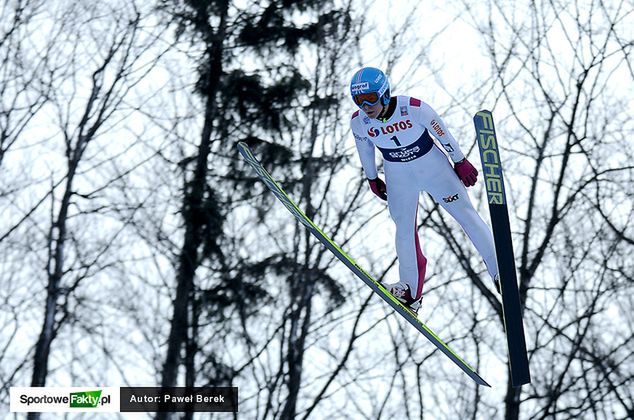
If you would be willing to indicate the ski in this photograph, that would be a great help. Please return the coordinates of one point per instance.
(376, 286)
(496, 196)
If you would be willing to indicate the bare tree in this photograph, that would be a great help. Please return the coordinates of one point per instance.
(564, 142)
(81, 81)
(563, 129)
(205, 280)
(21, 88)
(216, 292)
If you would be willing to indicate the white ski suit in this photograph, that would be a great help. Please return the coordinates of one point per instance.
(413, 163)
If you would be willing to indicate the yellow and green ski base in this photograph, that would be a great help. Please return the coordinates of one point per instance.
(264, 175)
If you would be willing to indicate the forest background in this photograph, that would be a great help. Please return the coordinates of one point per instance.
(138, 249)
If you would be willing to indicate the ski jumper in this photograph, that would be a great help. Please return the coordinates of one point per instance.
(414, 163)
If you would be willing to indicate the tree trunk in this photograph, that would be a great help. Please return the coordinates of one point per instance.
(193, 215)
(57, 241)
(512, 401)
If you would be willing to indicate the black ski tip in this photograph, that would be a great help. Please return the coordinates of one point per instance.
(480, 381)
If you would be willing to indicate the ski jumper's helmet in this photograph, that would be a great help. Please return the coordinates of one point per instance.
(369, 86)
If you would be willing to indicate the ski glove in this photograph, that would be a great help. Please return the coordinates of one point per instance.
(466, 172)
(378, 188)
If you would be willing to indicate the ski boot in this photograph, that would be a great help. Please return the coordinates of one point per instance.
(403, 294)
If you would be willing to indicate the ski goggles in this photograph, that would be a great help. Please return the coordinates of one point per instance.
(370, 99)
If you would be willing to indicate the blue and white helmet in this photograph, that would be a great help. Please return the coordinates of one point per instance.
(368, 86)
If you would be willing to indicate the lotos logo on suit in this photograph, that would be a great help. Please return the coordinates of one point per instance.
(392, 128)
(451, 198)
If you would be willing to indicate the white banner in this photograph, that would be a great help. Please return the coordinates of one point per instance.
(65, 400)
